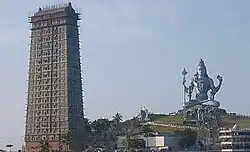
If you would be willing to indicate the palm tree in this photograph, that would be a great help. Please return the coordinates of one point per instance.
(67, 140)
(117, 118)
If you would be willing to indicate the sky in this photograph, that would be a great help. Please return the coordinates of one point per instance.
(133, 54)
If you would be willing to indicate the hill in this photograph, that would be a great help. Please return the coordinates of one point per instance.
(172, 123)
(240, 120)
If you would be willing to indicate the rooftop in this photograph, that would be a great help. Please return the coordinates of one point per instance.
(54, 9)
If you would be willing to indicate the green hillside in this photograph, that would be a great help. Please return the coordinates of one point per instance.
(226, 121)
(165, 129)
(167, 119)
(242, 122)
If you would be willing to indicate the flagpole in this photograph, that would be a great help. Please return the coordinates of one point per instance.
(184, 73)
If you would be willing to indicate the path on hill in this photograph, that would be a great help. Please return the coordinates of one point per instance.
(172, 125)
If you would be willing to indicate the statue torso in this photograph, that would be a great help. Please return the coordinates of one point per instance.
(202, 86)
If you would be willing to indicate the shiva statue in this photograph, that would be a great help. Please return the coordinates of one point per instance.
(202, 107)
(202, 84)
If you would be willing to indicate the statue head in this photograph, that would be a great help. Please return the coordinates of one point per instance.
(201, 69)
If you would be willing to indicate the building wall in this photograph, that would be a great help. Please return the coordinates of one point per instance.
(153, 142)
(54, 102)
(235, 139)
(172, 141)
(121, 141)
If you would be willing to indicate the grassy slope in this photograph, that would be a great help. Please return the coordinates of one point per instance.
(169, 119)
(227, 121)
(166, 119)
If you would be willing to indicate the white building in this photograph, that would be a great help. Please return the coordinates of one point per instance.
(158, 142)
(235, 139)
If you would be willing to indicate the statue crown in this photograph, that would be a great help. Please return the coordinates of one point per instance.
(201, 64)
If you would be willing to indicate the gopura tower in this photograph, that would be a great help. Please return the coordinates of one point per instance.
(55, 102)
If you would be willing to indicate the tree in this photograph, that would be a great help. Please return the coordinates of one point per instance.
(44, 146)
(117, 118)
(87, 126)
(67, 140)
(136, 143)
(132, 126)
(100, 129)
(147, 130)
(116, 124)
(102, 133)
(100, 125)
(88, 135)
(188, 138)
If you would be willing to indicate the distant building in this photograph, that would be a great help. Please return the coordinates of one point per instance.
(121, 142)
(235, 139)
(55, 99)
(170, 140)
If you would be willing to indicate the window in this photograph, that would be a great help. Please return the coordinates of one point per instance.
(55, 52)
(38, 76)
(45, 75)
(59, 45)
(55, 44)
(55, 93)
(46, 81)
(49, 67)
(55, 81)
(54, 74)
(56, 37)
(46, 87)
(55, 28)
(55, 87)
(55, 67)
(33, 138)
(38, 68)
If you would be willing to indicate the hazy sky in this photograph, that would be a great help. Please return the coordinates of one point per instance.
(134, 53)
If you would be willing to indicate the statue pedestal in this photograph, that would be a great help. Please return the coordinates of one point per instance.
(193, 103)
(196, 111)
(211, 103)
(192, 122)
